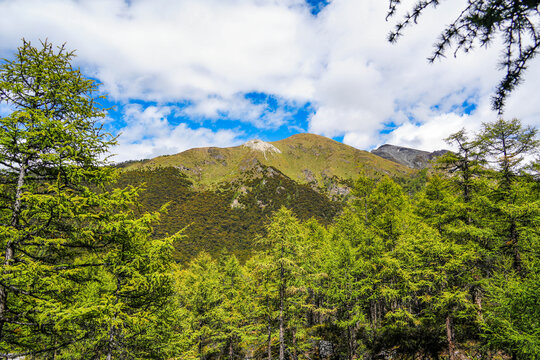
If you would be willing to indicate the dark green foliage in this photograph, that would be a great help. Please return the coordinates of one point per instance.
(229, 217)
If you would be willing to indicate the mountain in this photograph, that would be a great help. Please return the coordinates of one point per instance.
(416, 159)
(222, 197)
(305, 158)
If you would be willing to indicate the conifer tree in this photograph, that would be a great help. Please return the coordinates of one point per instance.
(506, 143)
(284, 243)
(80, 274)
(50, 152)
(236, 306)
(201, 294)
(352, 263)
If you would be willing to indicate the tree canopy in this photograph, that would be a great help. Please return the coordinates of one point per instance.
(80, 274)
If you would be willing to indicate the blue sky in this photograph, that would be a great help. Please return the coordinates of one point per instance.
(191, 73)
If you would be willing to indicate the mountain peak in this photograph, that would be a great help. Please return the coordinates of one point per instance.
(416, 159)
(264, 147)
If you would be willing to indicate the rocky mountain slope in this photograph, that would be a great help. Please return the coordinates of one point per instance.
(416, 159)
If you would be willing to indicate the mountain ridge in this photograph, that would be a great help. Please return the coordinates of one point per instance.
(412, 158)
(222, 197)
(306, 158)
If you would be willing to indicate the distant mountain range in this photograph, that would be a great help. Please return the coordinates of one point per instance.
(223, 196)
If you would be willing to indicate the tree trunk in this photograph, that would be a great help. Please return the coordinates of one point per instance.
(281, 306)
(515, 249)
(450, 338)
(231, 348)
(112, 330)
(14, 222)
(269, 337)
(295, 355)
(349, 345)
(478, 302)
(111, 341)
(281, 326)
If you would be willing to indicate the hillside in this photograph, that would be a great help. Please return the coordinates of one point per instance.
(224, 196)
(306, 158)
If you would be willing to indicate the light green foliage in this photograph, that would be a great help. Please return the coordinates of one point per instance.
(80, 277)
(513, 317)
(285, 249)
(132, 308)
(505, 144)
(201, 294)
(218, 307)
(50, 152)
(353, 259)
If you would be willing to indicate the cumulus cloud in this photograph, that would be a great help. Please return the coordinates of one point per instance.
(149, 133)
(210, 53)
(240, 108)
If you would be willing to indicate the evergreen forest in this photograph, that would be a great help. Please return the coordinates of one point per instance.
(442, 265)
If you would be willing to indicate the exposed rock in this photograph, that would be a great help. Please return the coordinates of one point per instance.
(336, 190)
(416, 159)
(264, 147)
(270, 172)
(310, 178)
(251, 164)
(216, 154)
(182, 168)
(237, 204)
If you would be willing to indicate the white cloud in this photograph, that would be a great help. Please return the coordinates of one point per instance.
(238, 107)
(149, 133)
(212, 52)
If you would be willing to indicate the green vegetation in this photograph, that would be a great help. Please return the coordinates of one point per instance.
(446, 266)
(228, 217)
(80, 277)
(450, 272)
(304, 158)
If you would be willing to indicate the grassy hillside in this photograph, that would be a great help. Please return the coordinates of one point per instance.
(305, 158)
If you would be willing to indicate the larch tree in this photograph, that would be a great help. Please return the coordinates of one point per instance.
(506, 145)
(79, 267)
(479, 22)
(50, 152)
(284, 243)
